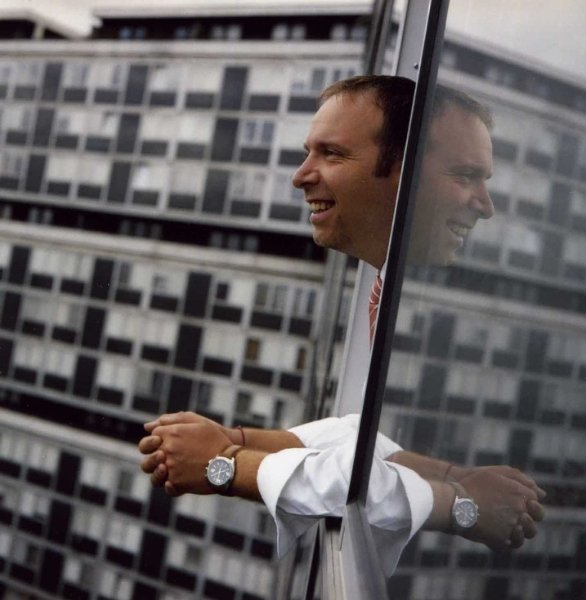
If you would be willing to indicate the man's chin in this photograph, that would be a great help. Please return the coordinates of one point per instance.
(431, 257)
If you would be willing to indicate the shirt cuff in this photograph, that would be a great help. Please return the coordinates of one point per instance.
(274, 471)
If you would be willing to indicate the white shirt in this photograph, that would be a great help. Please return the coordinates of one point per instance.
(301, 485)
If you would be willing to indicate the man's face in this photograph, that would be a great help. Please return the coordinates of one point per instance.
(452, 192)
(351, 209)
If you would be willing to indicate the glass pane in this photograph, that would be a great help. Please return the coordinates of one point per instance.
(488, 360)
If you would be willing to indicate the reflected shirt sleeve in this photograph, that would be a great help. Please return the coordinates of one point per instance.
(301, 485)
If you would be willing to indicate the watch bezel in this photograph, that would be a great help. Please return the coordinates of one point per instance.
(222, 459)
(461, 516)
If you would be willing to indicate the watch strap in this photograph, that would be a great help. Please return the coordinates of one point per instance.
(460, 491)
(231, 451)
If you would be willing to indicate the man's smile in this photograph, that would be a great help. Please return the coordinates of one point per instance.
(458, 229)
(318, 206)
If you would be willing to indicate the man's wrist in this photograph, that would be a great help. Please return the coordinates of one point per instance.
(456, 473)
(245, 479)
(440, 518)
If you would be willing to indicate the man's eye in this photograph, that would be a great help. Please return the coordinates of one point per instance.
(465, 177)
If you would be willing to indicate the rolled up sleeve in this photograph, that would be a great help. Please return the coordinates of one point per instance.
(299, 486)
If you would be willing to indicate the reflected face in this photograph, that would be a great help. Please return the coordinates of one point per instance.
(351, 209)
(452, 192)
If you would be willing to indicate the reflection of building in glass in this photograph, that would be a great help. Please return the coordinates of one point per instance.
(489, 367)
(156, 258)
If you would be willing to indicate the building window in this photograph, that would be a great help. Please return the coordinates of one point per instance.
(115, 375)
(164, 80)
(34, 505)
(304, 303)
(133, 485)
(6, 69)
(79, 572)
(284, 192)
(75, 74)
(524, 246)
(252, 351)
(230, 32)
(301, 360)
(5, 543)
(89, 523)
(115, 585)
(271, 298)
(97, 473)
(42, 456)
(247, 185)
(148, 181)
(9, 496)
(12, 164)
(28, 73)
(285, 31)
(26, 553)
(243, 403)
(124, 535)
(184, 555)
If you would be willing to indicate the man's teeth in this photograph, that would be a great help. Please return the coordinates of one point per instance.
(459, 230)
(319, 206)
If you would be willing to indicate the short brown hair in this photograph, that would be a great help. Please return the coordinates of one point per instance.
(394, 96)
(445, 96)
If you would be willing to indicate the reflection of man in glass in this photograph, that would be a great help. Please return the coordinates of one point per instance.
(350, 178)
(452, 192)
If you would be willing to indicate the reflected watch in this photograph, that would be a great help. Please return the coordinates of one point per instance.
(464, 510)
(221, 469)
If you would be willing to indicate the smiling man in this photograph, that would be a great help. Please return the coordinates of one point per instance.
(351, 195)
(452, 193)
(350, 178)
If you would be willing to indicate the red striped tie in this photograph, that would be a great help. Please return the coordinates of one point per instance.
(373, 302)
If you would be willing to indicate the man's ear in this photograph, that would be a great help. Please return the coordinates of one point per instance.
(395, 174)
(397, 168)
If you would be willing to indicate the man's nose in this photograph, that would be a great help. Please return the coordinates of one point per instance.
(483, 202)
(306, 174)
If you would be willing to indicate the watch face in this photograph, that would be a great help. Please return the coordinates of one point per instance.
(465, 512)
(220, 471)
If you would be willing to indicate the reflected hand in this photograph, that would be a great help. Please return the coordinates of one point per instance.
(179, 454)
(508, 508)
(457, 473)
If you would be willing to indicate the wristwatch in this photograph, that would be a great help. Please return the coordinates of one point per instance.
(221, 469)
(464, 510)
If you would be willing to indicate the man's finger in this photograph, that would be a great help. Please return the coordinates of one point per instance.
(535, 510)
(172, 419)
(149, 444)
(528, 525)
(517, 536)
(524, 479)
(159, 475)
(148, 427)
(151, 425)
(171, 490)
(152, 461)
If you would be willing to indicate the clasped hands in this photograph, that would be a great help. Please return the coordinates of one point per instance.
(178, 449)
(179, 445)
